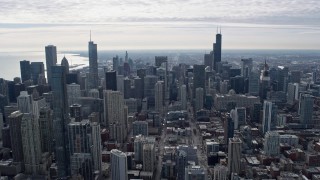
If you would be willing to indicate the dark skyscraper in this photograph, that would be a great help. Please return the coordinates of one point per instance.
(37, 68)
(199, 78)
(93, 66)
(217, 50)
(60, 119)
(111, 80)
(208, 60)
(51, 60)
(25, 70)
(16, 138)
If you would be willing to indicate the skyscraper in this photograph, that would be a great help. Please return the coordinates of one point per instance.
(269, 116)
(220, 172)
(119, 165)
(25, 70)
(159, 99)
(254, 83)
(111, 80)
(199, 77)
(74, 93)
(148, 157)
(246, 67)
(96, 146)
(199, 99)
(272, 143)
(140, 127)
(45, 126)
(93, 66)
(65, 63)
(60, 119)
(293, 92)
(264, 82)
(37, 69)
(51, 60)
(234, 155)
(24, 102)
(31, 143)
(306, 110)
(183, 97)
(16, 137)
(217, 49)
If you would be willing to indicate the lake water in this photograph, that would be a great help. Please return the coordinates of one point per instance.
(10, 61)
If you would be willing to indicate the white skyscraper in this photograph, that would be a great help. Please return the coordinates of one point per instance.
(119, 165)
(183, 97)
(24, 102)
(234, 155)
(114, 114)
(74, 93)
(199, 99)
(159, 99)
(31, 143)
(272, 143)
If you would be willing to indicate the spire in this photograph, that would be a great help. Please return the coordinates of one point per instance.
(217, 29)
(220, 29)
(90, 35)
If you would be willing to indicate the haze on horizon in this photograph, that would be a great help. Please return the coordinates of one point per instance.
(154, 24)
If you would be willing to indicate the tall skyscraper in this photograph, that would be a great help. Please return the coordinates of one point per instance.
(111, 80)
(16, 137)
(234, 155)
(65, 63)
(264, 82)
(254, 83)
(159, 99)
(199, 99)
(199, 77)
(293, 93)
(269, 116)
(25, 70)
(31, 143)
(149, 157)
(115, 63)
(217, 49)
(240, 117)
(119, 166)
(37, 69)
(93, 66)
(208, 60)
(272, 143)
(24, 102)
(60, 119)
(96, 146)
(183, 97)
(306, 110)
(126, 88)
(51, 60)
(45, 126)
(246, 67)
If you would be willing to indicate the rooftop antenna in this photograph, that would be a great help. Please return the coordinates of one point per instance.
(90, 35)
(217, 29)
(220, 29)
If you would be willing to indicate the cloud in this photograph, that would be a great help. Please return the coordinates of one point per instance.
(104, 11)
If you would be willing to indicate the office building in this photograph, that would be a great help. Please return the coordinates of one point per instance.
(254, 83)
(237, 84)
(25, 70)
(37, 69)
(65, 63)
(196, 172)
(221, 101)
(51, 60)
(111, 80)
(45, 128)
(148, 157)
(306, 110)
(96, 146)
(208, 60)
(246, 67)
(199, 99)
(293, 93)
(295, 76)
(181, 164)
(159, 99)
(217, 50)
(234, 155)
(115, 63)
(93, 66)
(264, 82)
(119, 165)
(24, 102)
(76, 112)
(183, 97)
(138, 88)
(220, 172)
(60, 119)
(140, 127)
(14, 120)
(31, 143)
(269, 116)
(126, 88)
(240, 117)
(120, 84)
(81, 166)
(74, 93)
(199, 78)
(271, 143)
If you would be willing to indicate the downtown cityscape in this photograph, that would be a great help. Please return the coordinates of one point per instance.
(193, 90)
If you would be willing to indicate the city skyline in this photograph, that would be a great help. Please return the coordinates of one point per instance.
(149, 24)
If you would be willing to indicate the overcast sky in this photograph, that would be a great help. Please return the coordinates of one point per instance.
(159, 24)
